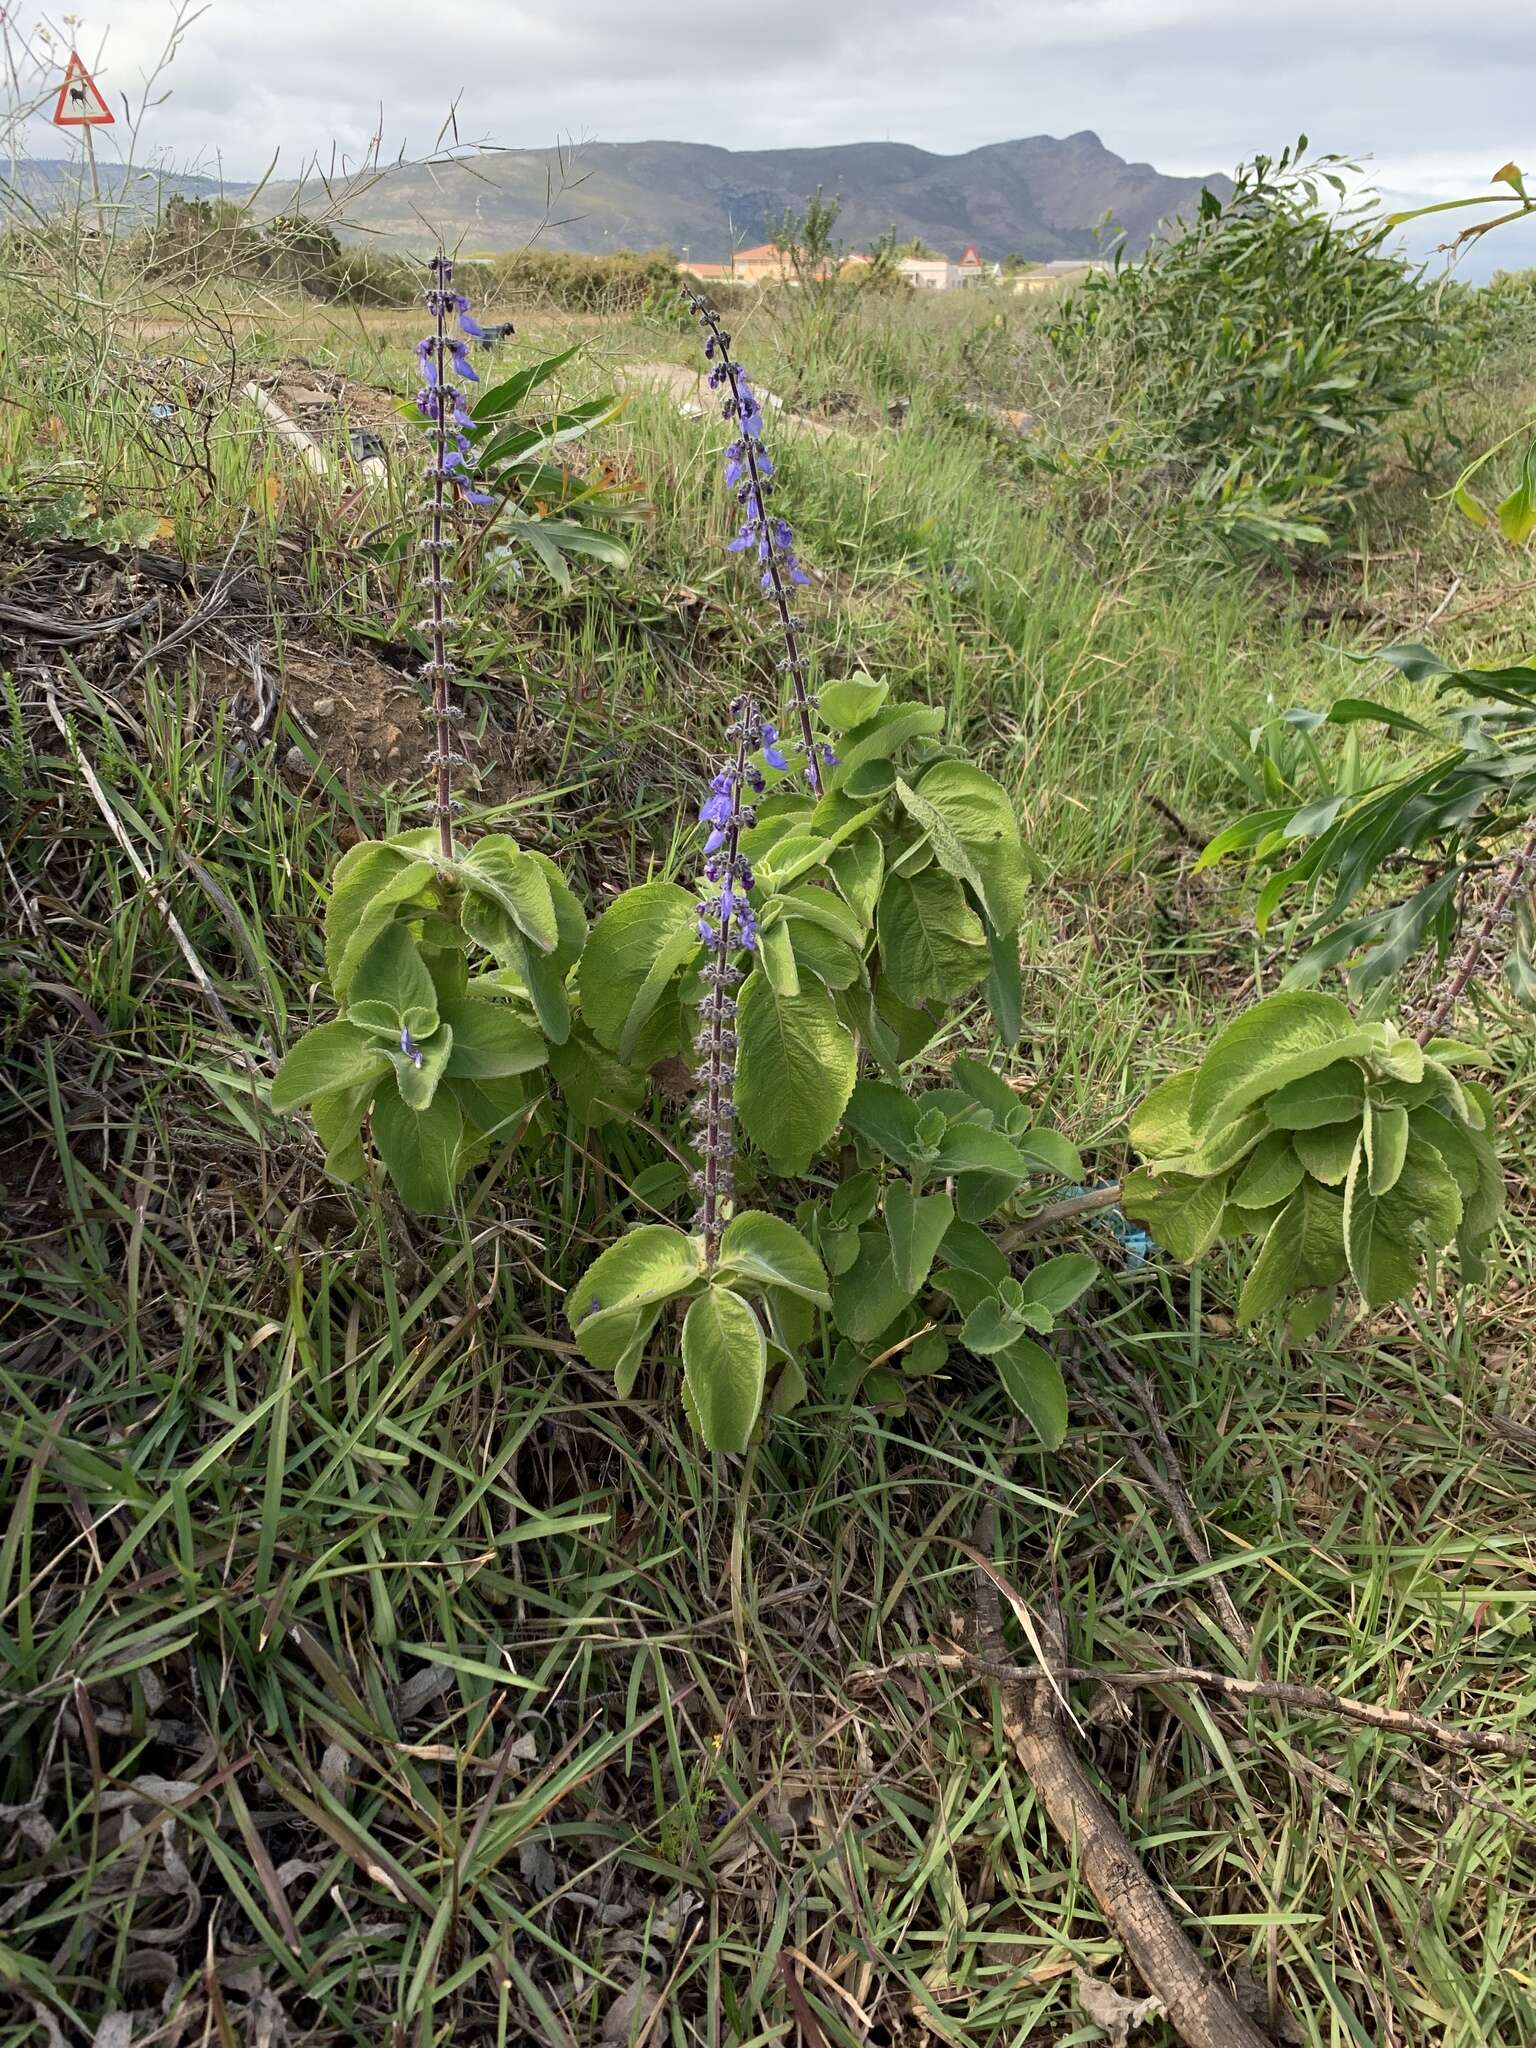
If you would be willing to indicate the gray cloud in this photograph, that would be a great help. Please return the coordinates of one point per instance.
(1189, 85)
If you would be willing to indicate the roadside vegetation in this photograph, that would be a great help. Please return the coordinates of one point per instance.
(374, 1670)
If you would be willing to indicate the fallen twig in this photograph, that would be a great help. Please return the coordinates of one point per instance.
(1200, 2009)
(1056, 1213)
(1310, 1698)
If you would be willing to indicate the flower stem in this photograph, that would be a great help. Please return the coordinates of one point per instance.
(719, 1135)
(795, 660)
(440, 700)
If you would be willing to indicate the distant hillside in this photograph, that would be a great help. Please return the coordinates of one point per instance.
(1039, 197)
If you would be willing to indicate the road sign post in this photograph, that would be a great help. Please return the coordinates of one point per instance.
(81, 105)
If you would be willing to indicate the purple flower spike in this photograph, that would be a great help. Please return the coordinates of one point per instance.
(749, 476)
(410, 1048)
(443, 358)
(727, 926)
(773, 753)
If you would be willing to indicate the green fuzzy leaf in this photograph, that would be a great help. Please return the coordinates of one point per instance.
(1160, 1127)
(328, 1060)
(1404, 1061)
(658, 920)
(1336, 1095)
(417, 1078)
(678, 953)
(1032, 1381)
(1386, 1145)
(598, 1088)
(420, 1149)
(1181, 1212)
(1326, 1152)
(1302, 1251)
(949, 849)
(986, 1088)
(924, 1357)
(498, 868)
(409, 888)
(826, 959)
(545, 982)
(490, 1041)
(881, 736)
(1276, 1042)
(917, 1224)
(771, 1253)
(1309, 1315)
(622, 1343)
(491, 1108)
(339, 1126)
(1224, 1148)
(370, 872)
(1382, 1231)
(851, 702)
(1272, 1174)
(1057, 1283)
(650, 1265)
(1379, 1240)
(776, 951)
(869, 1297)
(885, 1117)
(393, 975)
(1472, 1162)
(991, 1327)
(974, 1252)
(821, 907)
(725, 1365)
(856, 1199)
(796, 1068)
(980, 815)
(570, 918)
(1004, 985)
(858, 868)
(966, 1290)
(932, 943)
(972, 1148)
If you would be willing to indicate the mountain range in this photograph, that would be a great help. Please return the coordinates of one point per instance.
(1040, 197)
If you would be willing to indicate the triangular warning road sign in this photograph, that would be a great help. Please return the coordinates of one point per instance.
(80, 102)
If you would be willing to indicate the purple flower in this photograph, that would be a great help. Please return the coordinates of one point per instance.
(410, 1048)
(468, 324)
(727, 926)
(773, 753)
(749, 476)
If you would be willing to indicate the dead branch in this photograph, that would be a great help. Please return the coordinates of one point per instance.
(1308, 1698)
(1200, 2009)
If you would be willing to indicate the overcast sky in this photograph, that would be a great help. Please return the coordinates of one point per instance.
(1437, 95)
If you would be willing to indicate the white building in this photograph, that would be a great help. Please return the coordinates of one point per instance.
(940, 274)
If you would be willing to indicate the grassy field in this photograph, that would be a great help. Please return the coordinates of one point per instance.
(373, 1674)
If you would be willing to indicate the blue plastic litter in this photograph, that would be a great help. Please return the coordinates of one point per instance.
(1135, 1244)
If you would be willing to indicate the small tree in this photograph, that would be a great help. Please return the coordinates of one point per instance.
(807, 240)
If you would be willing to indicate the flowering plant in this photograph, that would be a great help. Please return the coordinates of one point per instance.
(448, 966)
(858, 879)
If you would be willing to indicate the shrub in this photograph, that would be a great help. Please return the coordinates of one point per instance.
(1265, 348)
(624, 282)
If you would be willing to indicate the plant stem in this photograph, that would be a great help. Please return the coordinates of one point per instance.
(440, 700)
(720, 1020)
(1520, 863)
(794, 660)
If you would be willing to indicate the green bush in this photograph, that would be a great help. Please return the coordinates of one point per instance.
(624, 282)
(1261, 353)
